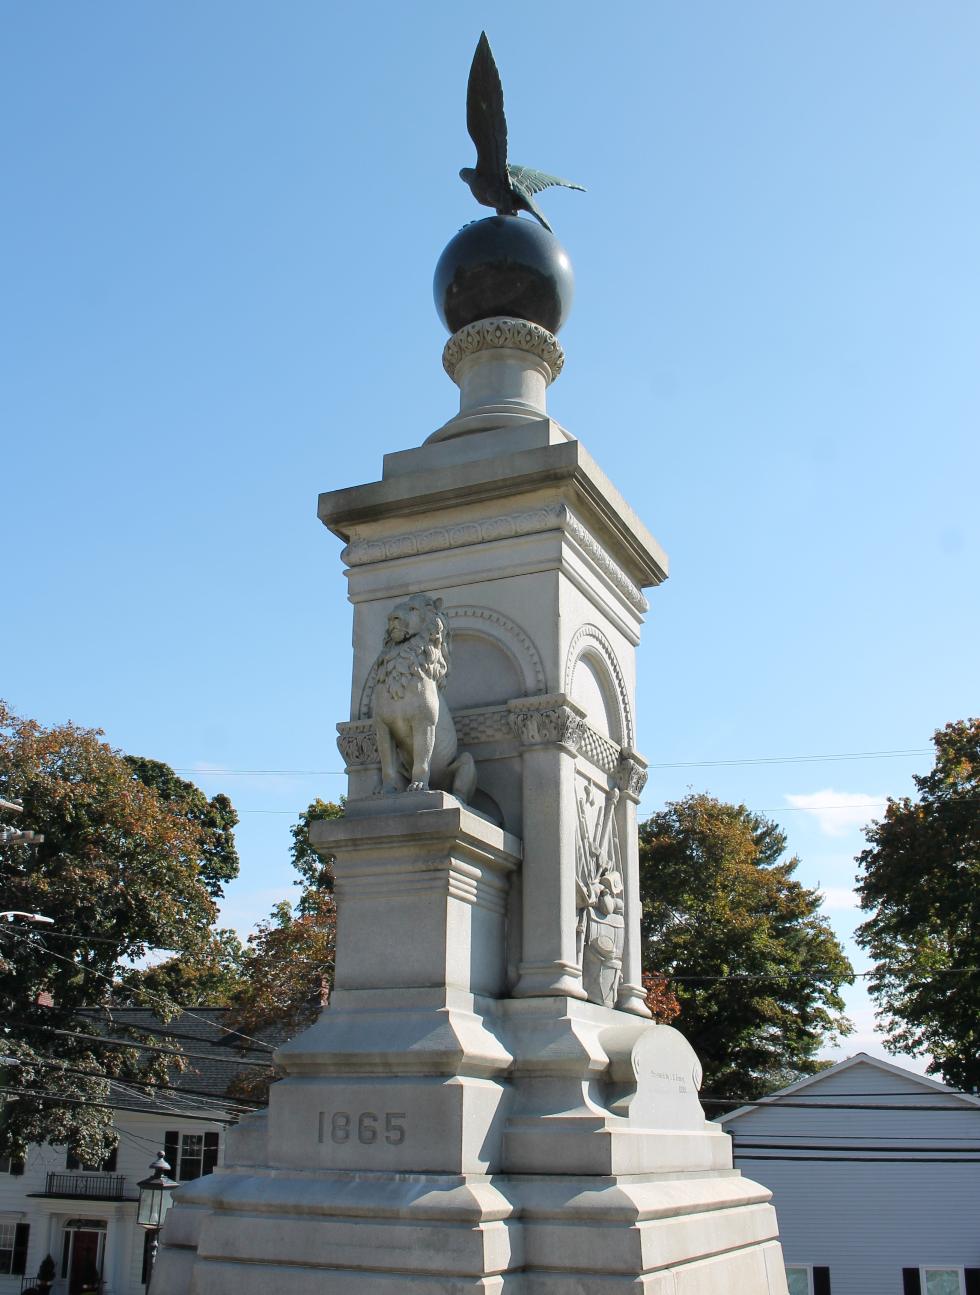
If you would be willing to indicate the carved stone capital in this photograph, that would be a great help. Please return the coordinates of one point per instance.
(500, 332)
(357, 744)
(631, 776)
(552, 720)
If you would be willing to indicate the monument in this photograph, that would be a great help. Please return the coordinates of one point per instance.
(485, 1105)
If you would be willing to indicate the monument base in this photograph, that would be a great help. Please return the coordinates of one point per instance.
(432, 1136)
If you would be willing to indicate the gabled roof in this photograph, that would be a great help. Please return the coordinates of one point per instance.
(859, 1058)
(216, 1052)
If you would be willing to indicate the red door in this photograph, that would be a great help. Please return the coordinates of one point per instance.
(84, 1272)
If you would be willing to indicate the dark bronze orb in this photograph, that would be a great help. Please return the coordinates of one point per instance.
(504, 265)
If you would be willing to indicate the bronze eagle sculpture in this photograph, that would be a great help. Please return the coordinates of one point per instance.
(493, 181)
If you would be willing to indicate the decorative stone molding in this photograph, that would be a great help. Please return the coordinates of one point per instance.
(591, 637)
(484, 725)
(358, 744)
(500, 332)
(553, 720)
(435, 540)
(632, 774)
(612, 570)
(510, 526)
(603, 753)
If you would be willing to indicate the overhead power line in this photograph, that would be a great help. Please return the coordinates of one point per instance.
(80, 966)
(51, 1063)
(870, 1160)
(898, 754)
(815, 1105)
(145, 1047)
(59, 1099)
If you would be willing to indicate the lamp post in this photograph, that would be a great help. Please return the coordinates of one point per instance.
(153, 1205)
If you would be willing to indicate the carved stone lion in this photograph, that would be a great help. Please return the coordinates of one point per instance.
(415, 730)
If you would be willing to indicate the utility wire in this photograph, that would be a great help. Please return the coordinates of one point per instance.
(81, 966)
(145, 1047)
(782, 1104)
(844, 1146)
(900, 753)
(869, 1160)
(50, 1063)
(60, 1100)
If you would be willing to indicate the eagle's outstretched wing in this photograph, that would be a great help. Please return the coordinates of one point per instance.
(527, 181)
(485, 119)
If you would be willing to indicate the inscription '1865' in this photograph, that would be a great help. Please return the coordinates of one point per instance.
(366, 1127)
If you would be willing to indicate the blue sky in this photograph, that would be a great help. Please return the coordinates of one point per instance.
(219, 230)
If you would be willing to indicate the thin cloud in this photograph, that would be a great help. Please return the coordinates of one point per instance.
(839, 897)
(837, 812)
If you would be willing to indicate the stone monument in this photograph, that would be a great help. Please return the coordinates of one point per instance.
(485, 1104)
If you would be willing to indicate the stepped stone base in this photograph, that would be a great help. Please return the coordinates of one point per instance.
(246, 1232)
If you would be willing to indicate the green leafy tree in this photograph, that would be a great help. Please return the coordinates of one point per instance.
(755, 969)
(920, 885)
(133, 859)
(210, 974)
(287, 972)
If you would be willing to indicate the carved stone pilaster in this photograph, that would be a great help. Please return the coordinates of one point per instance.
(552, 720)
(631, 776)
(358, 744)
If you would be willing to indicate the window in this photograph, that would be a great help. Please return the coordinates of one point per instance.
(108, 1166)
(13, 1247)
(190, 1155)
(805, 1279)
(935, 1280)
(10, 1166)
(942, 1281)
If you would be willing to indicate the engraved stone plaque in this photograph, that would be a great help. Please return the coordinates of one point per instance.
(668, 1076)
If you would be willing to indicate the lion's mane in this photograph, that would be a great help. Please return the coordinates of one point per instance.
(425, 654)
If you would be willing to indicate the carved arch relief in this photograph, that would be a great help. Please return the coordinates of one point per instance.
(493, 661)
(594, 679)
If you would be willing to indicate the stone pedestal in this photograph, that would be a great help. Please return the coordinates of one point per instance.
(431, 1135)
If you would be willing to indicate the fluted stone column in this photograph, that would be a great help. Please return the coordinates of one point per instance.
(632, 779)
(548, 729)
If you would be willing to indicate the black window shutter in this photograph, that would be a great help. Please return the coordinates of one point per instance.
(911, 1285)
(171, 1152)
(72, 1161)
(821, 1281)
(147, 1242)
(210, 1153)
(972, 1276)
(17, 1165)
(21, 1235)
(109, 1164)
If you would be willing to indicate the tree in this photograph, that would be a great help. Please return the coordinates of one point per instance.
(288, 969)
(210, 974)
(755, 969)
(133, 859)
(920, 883)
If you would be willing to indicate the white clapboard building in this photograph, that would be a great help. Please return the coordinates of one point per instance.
(875, 1174)
(84, 1216)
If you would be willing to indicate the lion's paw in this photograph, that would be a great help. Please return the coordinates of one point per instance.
(417, 786)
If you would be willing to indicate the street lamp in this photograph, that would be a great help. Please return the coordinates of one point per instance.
(153, 1205)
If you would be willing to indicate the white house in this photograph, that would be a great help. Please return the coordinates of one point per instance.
(84, 1216)
(875, 1174)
